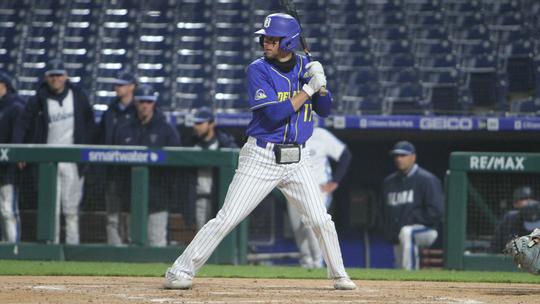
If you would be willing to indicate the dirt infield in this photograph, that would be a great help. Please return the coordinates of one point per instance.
(148, 290)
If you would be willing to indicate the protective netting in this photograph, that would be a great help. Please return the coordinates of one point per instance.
(492, 212)
(106, 200)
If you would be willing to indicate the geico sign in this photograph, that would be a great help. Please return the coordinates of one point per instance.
(446, 123)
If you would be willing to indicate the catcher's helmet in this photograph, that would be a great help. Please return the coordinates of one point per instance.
(282, 25)
(523, 192)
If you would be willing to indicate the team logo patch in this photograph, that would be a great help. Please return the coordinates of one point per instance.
(260, 94)
(267, 22)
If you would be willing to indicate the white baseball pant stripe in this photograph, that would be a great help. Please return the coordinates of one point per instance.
(411, 237)
(256, 176)
(68, 197)
(10, 213)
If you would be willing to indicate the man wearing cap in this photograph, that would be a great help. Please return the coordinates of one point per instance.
(60, 114)
(11, 106)
(522, 220)
(412, 207)
(120, 110)
(150, 128)
(207, 137)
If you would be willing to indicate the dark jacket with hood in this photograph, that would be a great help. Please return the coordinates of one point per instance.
(34, 121)
(157, 133)
(11, 106)
(115, 115)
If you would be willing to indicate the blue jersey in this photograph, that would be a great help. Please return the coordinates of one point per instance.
(267, 87)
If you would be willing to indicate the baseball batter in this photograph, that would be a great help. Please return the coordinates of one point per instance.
(282, 93)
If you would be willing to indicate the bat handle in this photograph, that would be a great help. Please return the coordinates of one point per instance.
(323, 91)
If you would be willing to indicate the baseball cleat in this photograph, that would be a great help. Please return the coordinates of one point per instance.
(173, 281)
(344, 284)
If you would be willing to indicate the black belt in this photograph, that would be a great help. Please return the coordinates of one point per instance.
(263, 144)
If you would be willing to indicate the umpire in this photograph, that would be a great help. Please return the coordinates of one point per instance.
(11, 106)
(412, 207)
(150, 128)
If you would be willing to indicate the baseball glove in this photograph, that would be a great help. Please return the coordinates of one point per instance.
(525, 251)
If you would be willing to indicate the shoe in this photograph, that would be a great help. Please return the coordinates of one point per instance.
(173, 281)
(344, 284)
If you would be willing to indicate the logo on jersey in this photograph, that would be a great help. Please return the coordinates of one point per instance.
(398, 198)
(260, 94)
(267, 22)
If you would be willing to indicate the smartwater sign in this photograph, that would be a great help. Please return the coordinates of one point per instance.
(123, 156)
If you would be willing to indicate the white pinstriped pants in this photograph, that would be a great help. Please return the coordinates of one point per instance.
(256, 176)
(410, 238)
(9, 210)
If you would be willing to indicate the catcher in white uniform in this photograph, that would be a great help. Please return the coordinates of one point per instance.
(321, 146)
(282, 91)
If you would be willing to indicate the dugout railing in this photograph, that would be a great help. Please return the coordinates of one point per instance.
(479, 190)
(232, 250)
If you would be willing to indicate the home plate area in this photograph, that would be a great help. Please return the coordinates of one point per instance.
(79, 289)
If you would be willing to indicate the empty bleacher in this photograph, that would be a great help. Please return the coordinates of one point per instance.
(381, 56)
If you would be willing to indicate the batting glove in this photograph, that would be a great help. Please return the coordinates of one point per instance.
(313, 68)
(315, 84)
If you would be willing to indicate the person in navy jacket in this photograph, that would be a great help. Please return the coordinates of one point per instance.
(150, 128)
(412, 206)
(119, 110)
(60, 114)
(11, 106)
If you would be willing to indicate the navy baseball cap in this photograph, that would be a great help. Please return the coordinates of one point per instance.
(403, 148)
(523, 192)
(55, 67)
(146, 92)
(124, 77)
(203, 114)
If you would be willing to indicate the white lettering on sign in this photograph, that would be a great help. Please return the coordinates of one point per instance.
(510, 163)
(4, 154)
(446, 123)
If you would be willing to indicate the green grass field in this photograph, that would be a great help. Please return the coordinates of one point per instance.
(41, 268)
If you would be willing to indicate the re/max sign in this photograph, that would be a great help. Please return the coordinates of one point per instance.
(509, 163)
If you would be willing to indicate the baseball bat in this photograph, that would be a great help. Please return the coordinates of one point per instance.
(288, 5)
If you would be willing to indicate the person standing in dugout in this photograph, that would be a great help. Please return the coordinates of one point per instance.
(282, 93)
(120, 110)
(150, 128)
(60, 114)
(11, 106)
(412, 207)
(207, 137)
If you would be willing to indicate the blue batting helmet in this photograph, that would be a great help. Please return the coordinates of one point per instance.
(282, 25)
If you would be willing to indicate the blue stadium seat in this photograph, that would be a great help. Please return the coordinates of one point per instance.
(428, 48)
(386, 32)
(422, 6)
(391, 46)
(405, 99)
(429, 34)
(401, 60)
(392, 76)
